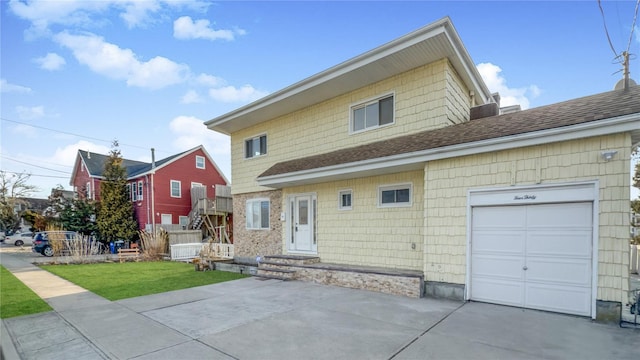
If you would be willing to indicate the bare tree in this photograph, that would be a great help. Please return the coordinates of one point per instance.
(14, 188)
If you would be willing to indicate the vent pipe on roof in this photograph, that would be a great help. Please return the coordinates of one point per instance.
(153, 158)
(88, 154)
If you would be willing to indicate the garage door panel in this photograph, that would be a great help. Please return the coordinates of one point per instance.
(559, 271)
(536, 256)
(559, 215)
(498, 291)
(575, 243)
(499, 242)
(496, 217)
(561, 298)
(497, 267)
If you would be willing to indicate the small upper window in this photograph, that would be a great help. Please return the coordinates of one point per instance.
(395, 195)
(372, 114)
(199, 162)
(345, 199)
(256, 146)
(175, 189)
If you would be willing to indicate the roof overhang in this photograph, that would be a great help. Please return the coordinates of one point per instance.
(416, 160)
(428, 44)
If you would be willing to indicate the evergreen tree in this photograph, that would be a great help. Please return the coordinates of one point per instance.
(79, 216)
(115, 215)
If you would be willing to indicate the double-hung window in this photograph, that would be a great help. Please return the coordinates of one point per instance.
(395, 195)
(140, 191)
(256, 146)
(175, 189)
(372, 114)
(199, 162)
(258, 214)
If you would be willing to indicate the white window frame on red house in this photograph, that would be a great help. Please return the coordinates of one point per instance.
(140, 190)
(179, 183)
(200, 163)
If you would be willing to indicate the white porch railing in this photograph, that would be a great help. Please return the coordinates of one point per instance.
(218, 250)
(634, 259)
(181, 252)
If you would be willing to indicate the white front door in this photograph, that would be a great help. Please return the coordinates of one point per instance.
(302, 223)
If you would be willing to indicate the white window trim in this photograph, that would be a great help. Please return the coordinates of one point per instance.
(162, 216)
(140, 190)
(204, 163)
(184, 223)
(342, 192)
(179, 188)
(382, 188)
(268, 217)
(244, 146)
(366, 102)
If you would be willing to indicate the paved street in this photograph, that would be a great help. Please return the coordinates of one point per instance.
(270, 319)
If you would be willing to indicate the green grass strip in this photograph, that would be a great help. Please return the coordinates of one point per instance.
(16, 299)
(116, 281)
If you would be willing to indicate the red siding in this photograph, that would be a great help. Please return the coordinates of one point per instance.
(182, 169)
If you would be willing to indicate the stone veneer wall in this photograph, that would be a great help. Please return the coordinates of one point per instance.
(250, 243)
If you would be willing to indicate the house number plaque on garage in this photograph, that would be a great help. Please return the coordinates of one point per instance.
(524, 197)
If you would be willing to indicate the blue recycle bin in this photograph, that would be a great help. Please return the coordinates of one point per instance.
(117, 246)
(112, 248)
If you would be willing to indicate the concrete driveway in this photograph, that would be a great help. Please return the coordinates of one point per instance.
(270, 319)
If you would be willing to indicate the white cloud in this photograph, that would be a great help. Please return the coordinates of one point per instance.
(44, 13)
(67, 154)
(508, 96)
(6, 87)
(229, 94)
(112, 61)
(210, 80)
(185, 28)
(30, 113)
(191, 97)
(190, 132)
(51, 62)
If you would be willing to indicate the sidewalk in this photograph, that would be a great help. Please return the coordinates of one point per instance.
(83, 325)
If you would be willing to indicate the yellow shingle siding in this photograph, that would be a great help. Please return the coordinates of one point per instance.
(366, 234)
(448, 181)
(419, 105)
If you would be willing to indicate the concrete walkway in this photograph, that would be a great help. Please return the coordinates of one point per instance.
(256, 319)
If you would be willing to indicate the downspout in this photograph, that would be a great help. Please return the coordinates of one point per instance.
(153, 197)
(146, 177)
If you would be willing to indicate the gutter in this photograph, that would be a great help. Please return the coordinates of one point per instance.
(415, 160)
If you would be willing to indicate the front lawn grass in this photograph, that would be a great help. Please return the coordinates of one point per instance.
(16, 299)
(116, 281)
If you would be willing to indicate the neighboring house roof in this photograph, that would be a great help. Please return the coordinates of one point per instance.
(606, 113)
(433, 42)
(95, 164)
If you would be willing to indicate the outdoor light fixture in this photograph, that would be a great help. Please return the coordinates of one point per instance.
(608, 155)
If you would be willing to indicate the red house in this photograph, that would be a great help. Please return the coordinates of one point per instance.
(183, 191)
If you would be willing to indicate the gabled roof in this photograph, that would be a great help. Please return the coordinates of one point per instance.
(605, 113)
(433, 42)
(95, 164)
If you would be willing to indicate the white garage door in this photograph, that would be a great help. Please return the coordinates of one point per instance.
(534, 256)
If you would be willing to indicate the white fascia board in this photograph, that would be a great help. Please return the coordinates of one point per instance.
(413, 160)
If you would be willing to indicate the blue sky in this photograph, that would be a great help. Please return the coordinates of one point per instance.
(79, 74)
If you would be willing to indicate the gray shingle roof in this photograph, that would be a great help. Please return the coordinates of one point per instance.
(577, 111)
(95, 163)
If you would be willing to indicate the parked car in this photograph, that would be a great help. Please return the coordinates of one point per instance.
(19, 239)
(41, 241)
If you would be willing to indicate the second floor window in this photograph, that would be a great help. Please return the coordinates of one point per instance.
(199, 162)
(372, 114)
(175, 189)
(255, 146)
